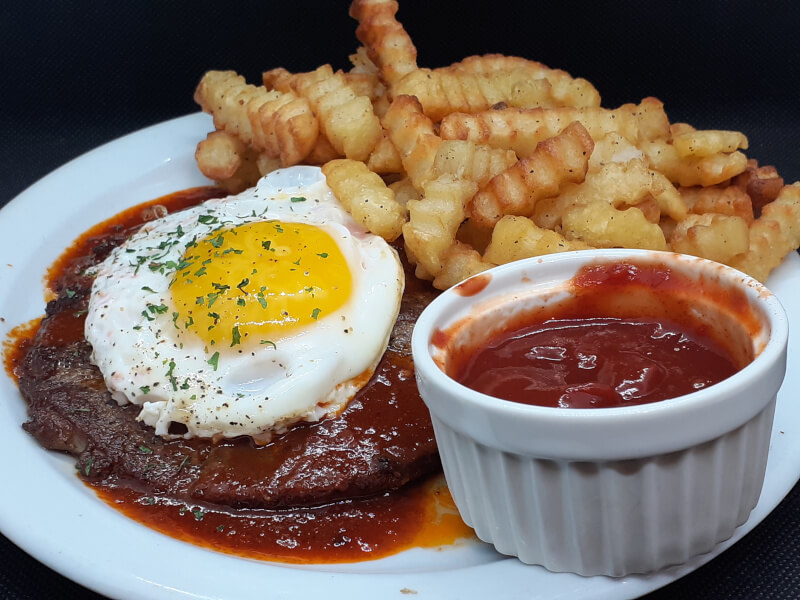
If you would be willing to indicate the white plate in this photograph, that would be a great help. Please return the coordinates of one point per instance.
(49, 513)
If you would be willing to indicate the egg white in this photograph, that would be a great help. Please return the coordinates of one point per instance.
(302, 375)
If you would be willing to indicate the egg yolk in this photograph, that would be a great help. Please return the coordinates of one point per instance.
(257, 282)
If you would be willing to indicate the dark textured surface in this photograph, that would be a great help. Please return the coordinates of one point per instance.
(76, 75)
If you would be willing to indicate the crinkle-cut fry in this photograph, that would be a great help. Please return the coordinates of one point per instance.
(762, 184)
(404, 191)
(556, 161)
(433, 221)
(521, 129)
(712, 236)
(347, 120)
(612, 148)
(705, 171)
(720, 199)
(361, 62)
(419, 270)
(474, 235)
(246, 175)
(219, 155)
(322, 152)
(515, 238)
(384, 158)
(679, 128)
(652, 120)
(282, 125)
(365, 84)
(388, 45)
(603, 226)
(442, 92)
(460, 262)
(366, 197)
(413, 135)
(706, 142)
(773, 235)
(567, 91)
(225, 94)
(622, 185)
(475, 162)
(279, 79)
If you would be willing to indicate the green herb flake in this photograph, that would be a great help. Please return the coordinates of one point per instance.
(70, 293)
(241, 302)
(88, 468)
(315, 313)
(214, 360)
(145, 389)
(236, 337)
(270, 343)
(217, 241)
(145, 450)
(148, 289)
(323, 255)
(198, 514)
(297, 199)
(266, 244)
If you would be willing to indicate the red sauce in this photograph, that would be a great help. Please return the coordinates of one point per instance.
(420, 515)
(473, 285)
(626, 336)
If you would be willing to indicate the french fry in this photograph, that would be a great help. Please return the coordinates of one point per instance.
(713, 236)
(347, 120)
(219, 155)
(521, 130)
(388, 45)
(515, 238)
(466, 160)
(459, 262)
(705, 171)
(384, 157)
(441, 92)
(412, 134)
(565, 90)
(601, 225)
(433, 221)
(773, 235)
(762, 184)
(555, 162)
(708, 142)
(728, 200)
(366, 197)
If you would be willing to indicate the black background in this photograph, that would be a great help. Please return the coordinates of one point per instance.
(75, 75)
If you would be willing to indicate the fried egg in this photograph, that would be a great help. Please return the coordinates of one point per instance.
(245, 314)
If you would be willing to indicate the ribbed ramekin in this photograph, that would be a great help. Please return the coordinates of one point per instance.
(609, 491)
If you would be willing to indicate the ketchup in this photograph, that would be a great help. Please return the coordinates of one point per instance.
(586, 352)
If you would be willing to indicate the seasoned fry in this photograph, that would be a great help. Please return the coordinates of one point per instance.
(347, 120)
(366, 197)
(612, 148)
(603, 226)
(521, 130)
(412, 134)
(773, 235)
(705, 171)
(385, 158)
(708, 142)
(565, 90)
(322, 152)
(652, 120)
(469, 161)
(713, 236)
(515, 238)
(219, 155)
(441, 92)
(556, 161)
(434, 220)
(404, 191)
(279, 124)
(460, 261)
(724, 200)
(388, 45)
(762, 184)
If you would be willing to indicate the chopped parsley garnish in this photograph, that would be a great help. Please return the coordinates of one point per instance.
(297, 199)
(70, 293)
(207, 219)
(269, 343)
(148, 289)
(323, 255)
(241, 302)
(88, 468)
(266, 244)
(236, 337)
(217, 241)
(214, 360)
(315, 313)
(145, 450)
(198, 514)
(145, 389)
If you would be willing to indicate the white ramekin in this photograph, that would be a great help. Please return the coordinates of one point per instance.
(607, 491)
